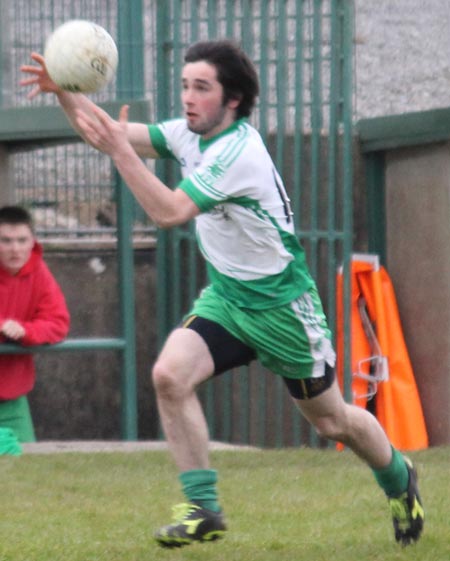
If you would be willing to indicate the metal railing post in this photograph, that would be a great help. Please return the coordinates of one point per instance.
(129, 80)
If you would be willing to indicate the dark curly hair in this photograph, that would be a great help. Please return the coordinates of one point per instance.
(235, 71)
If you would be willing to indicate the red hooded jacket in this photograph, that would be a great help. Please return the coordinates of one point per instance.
(34, 299)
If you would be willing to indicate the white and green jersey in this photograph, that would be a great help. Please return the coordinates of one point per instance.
(245, 230)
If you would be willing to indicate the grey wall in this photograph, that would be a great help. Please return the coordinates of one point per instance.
(77, 393)
(418, 261)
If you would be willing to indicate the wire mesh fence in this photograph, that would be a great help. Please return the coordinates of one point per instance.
(69, 188)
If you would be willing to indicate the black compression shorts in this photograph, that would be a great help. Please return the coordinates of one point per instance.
(229, 352)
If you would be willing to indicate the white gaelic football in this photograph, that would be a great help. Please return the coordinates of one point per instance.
(81, 56)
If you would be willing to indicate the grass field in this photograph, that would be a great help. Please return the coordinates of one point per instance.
(281, 505)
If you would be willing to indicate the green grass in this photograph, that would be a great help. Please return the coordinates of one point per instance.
(283, 505)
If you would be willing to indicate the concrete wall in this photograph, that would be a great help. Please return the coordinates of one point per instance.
(418, 261)
(77, 394)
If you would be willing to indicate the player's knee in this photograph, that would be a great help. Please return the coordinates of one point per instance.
(165, 381)
(330, 427)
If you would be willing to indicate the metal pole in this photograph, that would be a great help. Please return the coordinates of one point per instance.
(347, 120)
(129, 81)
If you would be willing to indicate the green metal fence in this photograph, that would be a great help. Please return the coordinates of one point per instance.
(303, 53)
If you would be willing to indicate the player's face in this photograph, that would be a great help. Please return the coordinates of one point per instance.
(16, 244)
(203, 100)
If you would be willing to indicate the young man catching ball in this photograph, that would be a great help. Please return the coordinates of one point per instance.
(261, 301)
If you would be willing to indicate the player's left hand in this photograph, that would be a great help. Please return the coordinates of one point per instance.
(39, 77)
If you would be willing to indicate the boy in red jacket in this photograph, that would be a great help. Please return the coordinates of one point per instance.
(33, 311)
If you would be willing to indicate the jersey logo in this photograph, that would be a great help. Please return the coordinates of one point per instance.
(216, 170)
(212, 173)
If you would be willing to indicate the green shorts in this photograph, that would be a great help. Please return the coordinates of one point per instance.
(293, 340)
(15, 415)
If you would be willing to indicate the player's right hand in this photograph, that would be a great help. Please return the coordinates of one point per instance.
(40, 78)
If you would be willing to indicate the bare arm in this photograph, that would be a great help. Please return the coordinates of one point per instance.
(137, 133)
(165, 207)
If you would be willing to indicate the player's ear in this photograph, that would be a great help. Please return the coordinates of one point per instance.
(234, 102)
